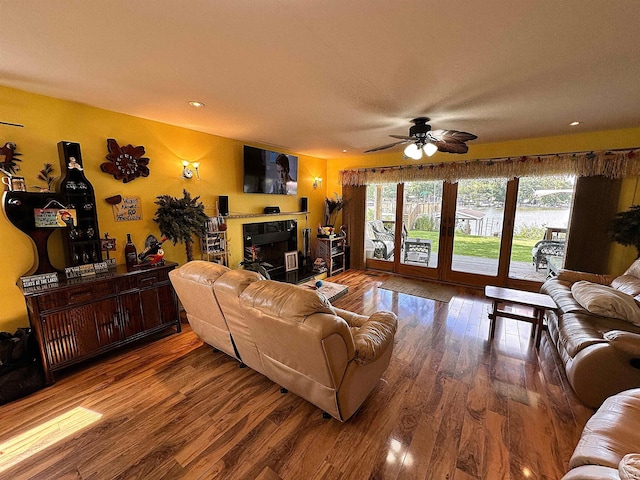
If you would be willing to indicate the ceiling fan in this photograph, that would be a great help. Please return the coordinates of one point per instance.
(422, 139)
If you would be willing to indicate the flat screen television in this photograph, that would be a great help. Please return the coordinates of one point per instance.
(270, 172)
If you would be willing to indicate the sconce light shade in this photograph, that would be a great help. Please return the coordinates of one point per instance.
(317, 182)
(187, 173)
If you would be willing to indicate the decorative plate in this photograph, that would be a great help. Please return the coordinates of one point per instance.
(125, 163)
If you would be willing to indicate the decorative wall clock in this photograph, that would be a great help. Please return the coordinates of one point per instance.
(125, 163)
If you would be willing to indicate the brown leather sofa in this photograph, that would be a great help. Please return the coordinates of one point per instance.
(601, 355)
(331, 357)
(609, 448)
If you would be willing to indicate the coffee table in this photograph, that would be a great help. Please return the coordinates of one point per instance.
(539, 302)
(332, 291)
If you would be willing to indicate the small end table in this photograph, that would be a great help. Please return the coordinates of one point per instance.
(539, 302)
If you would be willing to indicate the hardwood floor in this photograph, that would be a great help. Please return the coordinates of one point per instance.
(450, 406)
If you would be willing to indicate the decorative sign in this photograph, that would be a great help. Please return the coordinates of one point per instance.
(55, 217)
(130, 208)
(90, 269)
(107, 244)
(38, 280)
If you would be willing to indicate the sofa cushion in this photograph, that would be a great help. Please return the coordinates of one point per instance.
(577, 331)
(606, 301)
(560, 292)
(627, 284)
(634, 269)
(285, 300)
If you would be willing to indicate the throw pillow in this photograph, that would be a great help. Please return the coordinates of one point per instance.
(606, 301)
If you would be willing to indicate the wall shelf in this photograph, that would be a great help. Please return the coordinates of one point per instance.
(253, 215)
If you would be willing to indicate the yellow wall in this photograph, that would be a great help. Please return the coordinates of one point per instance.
(620, 257)
(47, 121)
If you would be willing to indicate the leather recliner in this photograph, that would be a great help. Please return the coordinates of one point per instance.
(331, 357)
(601, 355)
(609, 447)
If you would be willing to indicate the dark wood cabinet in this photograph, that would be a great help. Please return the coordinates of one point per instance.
(80, 318)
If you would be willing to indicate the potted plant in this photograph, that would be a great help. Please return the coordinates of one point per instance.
(626, 227)
(180, 218)
(254, 263)
(332, 207)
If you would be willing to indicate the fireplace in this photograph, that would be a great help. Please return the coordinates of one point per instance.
(270, 241)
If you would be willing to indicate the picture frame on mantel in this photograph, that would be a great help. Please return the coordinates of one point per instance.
(290, 261)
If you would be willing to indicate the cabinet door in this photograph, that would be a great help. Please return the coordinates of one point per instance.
(80, 330)
(168, 305)
(131, 312)
(107, 321)
(151, 311)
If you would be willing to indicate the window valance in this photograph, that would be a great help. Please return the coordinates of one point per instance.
(608, 163)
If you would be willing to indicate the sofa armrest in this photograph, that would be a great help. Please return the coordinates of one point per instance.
(573, 276)
(592, 472)
(629, 467)
(352, 319)
(627, 342)
(374, 337)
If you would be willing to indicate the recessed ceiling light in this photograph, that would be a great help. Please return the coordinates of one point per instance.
(196, 104)
(345, 150)
(573, 124)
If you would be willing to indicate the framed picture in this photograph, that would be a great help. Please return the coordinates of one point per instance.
(290, 261)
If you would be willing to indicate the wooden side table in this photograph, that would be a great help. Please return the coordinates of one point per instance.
(539, 302)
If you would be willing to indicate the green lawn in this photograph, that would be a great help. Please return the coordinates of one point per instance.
(486, 247)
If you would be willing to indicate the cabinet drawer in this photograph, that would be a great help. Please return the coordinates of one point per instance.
(74, 296)
(147, 279)
(88, 293)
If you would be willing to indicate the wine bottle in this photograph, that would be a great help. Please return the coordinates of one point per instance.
(130, 253)
(152, 249)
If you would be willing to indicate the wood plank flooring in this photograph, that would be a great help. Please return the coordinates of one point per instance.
(450, 406)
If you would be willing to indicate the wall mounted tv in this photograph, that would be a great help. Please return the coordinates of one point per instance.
(270, 172)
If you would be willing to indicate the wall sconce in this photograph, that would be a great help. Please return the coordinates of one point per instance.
(317, 182)
(187, 172)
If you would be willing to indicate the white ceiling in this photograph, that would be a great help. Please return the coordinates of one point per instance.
(316, 77)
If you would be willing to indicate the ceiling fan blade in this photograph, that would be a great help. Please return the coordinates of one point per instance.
(401, 137)
(450, 136)
(384, 147)
(451, 147)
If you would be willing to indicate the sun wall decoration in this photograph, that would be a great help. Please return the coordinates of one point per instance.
(125, 163)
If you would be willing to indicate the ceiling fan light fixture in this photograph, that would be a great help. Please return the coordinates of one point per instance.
(413, 151)
(430, 149)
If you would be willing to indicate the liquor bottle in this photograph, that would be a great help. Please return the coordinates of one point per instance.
(152, 249)
(130, 253)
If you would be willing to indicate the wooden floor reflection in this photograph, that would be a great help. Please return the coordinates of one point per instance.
(450, 406)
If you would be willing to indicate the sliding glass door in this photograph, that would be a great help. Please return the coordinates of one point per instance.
(541, 226)
(478, 221)
(421, 217)
(476, 231)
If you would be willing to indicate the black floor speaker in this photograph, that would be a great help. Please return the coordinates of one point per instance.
(223, 205)
(304, 204)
